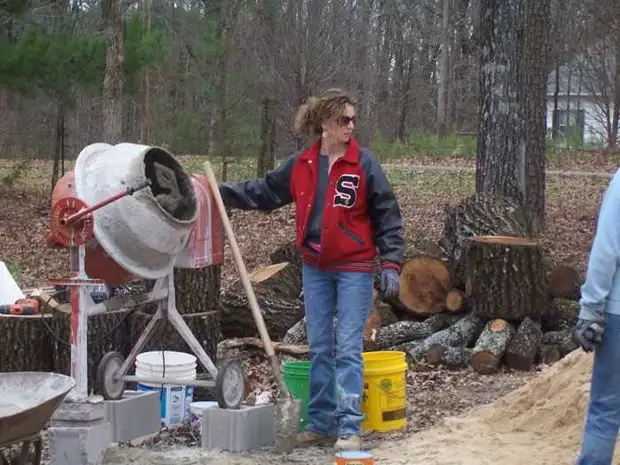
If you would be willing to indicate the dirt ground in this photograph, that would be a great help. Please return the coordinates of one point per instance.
(541, 419)
(434, 394)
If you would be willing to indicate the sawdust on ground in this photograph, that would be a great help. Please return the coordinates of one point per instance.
(543, 420)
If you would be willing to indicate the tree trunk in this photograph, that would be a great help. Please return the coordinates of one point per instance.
(505, 278)
(406, 331)
(534, 105)
(563, 339)
(477, 215)
(525, 344)
(450, 357)
(500, 163)
(491, 345)
(113, 80)
(277, 289)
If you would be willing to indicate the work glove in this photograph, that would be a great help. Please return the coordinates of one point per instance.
(390, 283)
(589, 333)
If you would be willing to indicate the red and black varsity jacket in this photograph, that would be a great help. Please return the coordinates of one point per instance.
(360, 212)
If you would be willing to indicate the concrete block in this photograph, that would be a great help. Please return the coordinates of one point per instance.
(134, 416)
(79, 445)
(72, 412)
(239, 430)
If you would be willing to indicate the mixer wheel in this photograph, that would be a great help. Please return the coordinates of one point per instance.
(109, 365)
(229, 385)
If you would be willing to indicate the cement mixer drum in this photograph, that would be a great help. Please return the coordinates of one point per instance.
(146, 231)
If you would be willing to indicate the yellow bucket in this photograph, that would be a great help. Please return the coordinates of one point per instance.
(384, 403)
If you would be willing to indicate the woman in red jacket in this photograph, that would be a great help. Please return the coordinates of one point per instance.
(345, 210)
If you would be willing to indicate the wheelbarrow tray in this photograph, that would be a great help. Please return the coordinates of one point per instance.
(28, 400)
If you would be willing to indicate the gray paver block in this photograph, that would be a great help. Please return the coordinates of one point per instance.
(136, 415)
(239, 430)
(85, 444)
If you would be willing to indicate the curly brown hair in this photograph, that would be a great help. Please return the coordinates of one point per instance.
(312, 114)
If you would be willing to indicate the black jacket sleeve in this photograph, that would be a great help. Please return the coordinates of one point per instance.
(268, 193)
(384, 211)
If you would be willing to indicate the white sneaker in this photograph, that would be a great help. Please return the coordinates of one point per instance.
(349, 443)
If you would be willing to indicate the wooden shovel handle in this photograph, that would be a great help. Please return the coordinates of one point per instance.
(243, 272)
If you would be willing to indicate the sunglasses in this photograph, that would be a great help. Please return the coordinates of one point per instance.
(346, 120)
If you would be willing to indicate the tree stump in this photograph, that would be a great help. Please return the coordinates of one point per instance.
(197, 290)
(27, 343)
(286, 253)
(491, 346)
(478, 215)
(524, 346)
(424, 285)
(505, 278)
(277, 289)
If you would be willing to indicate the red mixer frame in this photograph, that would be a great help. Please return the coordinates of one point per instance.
(72, 226)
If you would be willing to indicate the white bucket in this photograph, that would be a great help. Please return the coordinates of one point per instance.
(195, 412)
(175, 399)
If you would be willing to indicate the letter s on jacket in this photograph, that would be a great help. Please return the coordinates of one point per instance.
(360, 212)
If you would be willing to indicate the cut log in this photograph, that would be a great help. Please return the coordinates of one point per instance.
(296, 334)
(522, 350)
(548, 354)
(28, 343)
(505, 278)
(564, 282)
(491, 346)
(563, 339)
(560, 314)
(204, 326)
(406, 331)
(226, 347)
(478, 215)
(461, 334)
(448, 356)
(277, 288)
(456, 301)
(424, 284)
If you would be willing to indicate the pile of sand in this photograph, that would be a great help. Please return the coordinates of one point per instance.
(541, 422)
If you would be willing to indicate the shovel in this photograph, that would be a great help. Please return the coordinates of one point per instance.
(287, 411)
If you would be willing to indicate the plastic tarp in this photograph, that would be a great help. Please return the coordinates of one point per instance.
(9, 290)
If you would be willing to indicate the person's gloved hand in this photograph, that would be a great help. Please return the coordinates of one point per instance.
(589, 333)
(390, 283)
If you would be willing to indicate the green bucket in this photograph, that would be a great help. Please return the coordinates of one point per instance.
(296, 376)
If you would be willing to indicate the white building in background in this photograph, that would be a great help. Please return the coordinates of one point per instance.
(585, 98)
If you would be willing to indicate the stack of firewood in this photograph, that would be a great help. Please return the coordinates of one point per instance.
(483, 295)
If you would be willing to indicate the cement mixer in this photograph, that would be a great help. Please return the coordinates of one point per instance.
(130, 212)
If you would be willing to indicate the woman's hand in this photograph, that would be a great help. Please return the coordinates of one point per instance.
(390, 283)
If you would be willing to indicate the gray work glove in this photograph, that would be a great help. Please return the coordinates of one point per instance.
(390, 283)
(589, 333)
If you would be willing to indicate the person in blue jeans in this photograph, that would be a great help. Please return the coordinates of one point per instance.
(345, 209)
(598, 330)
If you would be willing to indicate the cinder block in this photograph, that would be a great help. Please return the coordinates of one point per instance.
(239, 430)
(79, 445)
(134, 416)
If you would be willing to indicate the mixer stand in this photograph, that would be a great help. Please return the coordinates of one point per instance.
(228, 380)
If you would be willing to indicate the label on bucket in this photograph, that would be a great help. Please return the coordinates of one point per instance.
(174, 402)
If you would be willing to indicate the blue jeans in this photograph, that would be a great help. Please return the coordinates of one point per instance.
(603, 415)
(336, 356)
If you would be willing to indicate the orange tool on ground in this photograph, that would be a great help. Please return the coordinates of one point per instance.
(21, 307)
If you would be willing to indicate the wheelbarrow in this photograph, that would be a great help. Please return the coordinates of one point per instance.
(27, 401)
